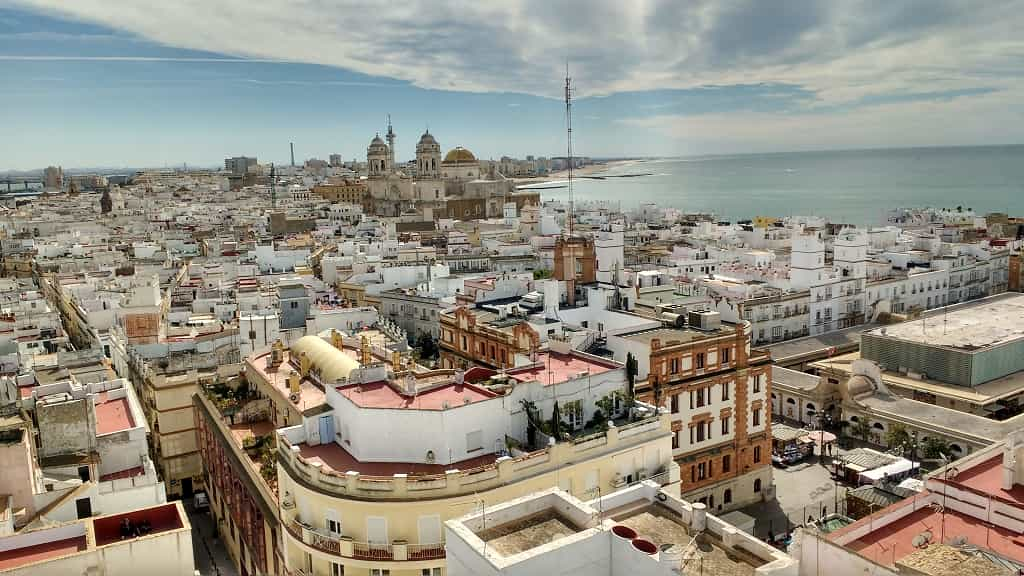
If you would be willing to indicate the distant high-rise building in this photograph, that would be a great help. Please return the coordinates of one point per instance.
(240, 165)
(53, 178)
(336, 160)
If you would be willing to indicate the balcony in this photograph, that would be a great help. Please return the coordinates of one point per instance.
(346, 547)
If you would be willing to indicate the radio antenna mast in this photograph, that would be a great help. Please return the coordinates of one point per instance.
(568, 139)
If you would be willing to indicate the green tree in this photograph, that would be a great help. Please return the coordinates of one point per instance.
(631, 370)
(898, 436)
(861, 428)
(541, 274)
(556, 422)
(427, 346)
(934, 447)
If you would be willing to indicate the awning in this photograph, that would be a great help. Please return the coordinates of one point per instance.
(821, 437)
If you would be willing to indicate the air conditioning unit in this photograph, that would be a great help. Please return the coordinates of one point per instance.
(618, 481)
(641, 474)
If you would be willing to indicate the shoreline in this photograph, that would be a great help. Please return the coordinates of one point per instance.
(562, 175)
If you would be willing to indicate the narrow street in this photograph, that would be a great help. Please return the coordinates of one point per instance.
(211, 558)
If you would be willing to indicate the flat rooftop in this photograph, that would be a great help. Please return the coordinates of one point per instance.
(528, 532)
(893, 542)
(677, 335)
(987, 478)
(384, 395)
(334, 456)
(707, 555)
(553, 368)
(984, 325)
(113, 415)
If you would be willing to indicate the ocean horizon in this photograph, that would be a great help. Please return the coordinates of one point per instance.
(850, 186)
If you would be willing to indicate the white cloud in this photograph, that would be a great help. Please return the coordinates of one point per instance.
(995, 118)
(842, 50)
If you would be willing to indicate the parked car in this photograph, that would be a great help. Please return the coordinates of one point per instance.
(201, 502)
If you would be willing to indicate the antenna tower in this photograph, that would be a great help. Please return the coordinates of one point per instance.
(568, 139)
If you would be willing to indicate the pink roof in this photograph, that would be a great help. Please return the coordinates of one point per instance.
(334, 456)
(27, 555)
(113, 415)
(382, 395)
(554, 368)
(888, 544)
(986, 479)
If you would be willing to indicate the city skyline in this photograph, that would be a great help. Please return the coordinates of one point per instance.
(104, 84)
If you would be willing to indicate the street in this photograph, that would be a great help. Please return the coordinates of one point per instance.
(211, 558)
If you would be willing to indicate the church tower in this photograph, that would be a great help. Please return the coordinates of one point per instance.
(377, 158)
(428, 157)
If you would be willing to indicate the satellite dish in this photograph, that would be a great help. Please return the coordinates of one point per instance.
(958, 541)
(922, 539)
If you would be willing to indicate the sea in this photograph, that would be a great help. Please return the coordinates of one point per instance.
(854, 187)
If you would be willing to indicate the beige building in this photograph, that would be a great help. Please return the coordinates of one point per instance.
(374, 457)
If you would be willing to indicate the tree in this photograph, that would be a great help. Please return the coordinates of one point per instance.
(631, 371)
(934, 447)
(541, 274)
(556, 422)
(426, 345)
(861, 428)
(898, 436)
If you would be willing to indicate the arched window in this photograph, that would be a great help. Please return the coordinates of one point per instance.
(757, 485)
(727, 497)
(790, 401)
(955, 448)
(854, 419)
(810, 407)
(878, 426)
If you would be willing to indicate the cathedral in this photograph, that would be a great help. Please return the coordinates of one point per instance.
(457, 186)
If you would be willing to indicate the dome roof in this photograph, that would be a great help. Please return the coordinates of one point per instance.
(376, 140)
(459, 155)
(427, 138)
(331, 363)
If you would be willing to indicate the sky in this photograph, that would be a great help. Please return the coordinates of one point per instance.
(121, 83)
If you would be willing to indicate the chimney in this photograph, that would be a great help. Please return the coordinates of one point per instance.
(293, 383)
(699, 517)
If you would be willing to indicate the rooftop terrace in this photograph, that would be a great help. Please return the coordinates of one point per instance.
(554, 368)
(113, 414)
(984, 325)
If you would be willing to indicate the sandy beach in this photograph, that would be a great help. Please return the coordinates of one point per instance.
(591, 170)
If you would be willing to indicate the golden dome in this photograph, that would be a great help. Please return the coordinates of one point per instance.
(459, 155)
(333, 364)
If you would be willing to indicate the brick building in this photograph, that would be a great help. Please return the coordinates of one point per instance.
(718, 394)
(482, 337)
(575, 264)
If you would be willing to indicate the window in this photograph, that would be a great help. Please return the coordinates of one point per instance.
(337, 569)
(574, 413)
(757, 485)
(700, 361)
(675, 440)
(702, 471)
(725, 355)
(474, 441)
(333, 526)
(691, 399)
(725, 391)
(727, 496)
(777, 332)
(674, 366)
(757, 453)
(674, 402)
(726, 463)
(757, 383)
(700, 433)
(725, 426)
(294, 305)
(756, 414)
(386, 572)
(431, 572)
(693, 473)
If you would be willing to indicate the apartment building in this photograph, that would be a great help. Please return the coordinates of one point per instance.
(364, 489)
(484, 338)
(717, 393)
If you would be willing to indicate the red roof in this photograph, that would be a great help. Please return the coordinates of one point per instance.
(338, 459)
(113, 415)
(129, 473)
(27, 555)
(382, 395)
(554, 368)
(890, 543)
(986, 479)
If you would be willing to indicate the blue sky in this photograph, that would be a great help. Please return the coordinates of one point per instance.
(113, 83)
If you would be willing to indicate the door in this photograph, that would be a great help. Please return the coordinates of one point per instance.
(186, 488)
(377, 530)
(326, 429)
(84, 507)
(429, 528)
